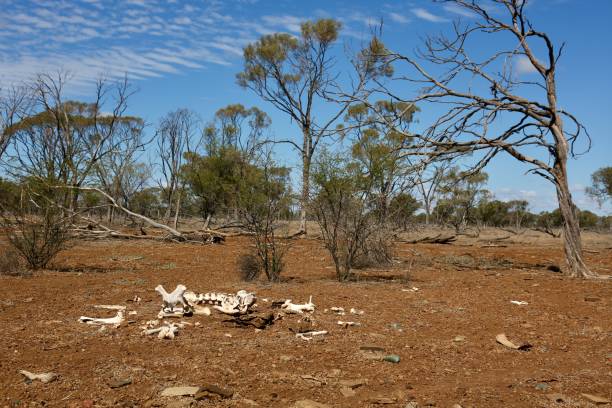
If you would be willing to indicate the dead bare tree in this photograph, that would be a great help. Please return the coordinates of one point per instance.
(487, 105)
(63, 141)
(174, 138)
(14, 106)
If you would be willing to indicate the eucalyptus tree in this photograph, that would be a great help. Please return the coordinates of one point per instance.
(298, 76)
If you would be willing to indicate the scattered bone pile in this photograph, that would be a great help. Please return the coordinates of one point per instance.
(181, 302)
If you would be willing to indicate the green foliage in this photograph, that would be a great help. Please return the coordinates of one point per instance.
(587, 219)
(601, 189)
(263, 196)
(36, 227)
(352, 233)
(460, 194)
(10, 194)
(376, 150)
(402, 209)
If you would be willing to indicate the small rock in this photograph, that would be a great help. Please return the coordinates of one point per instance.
(558, 398)
(392, 358)
(591, 299)
(208, 390)
(249, 402)
(285, 358)
(118, 383)
(596, 399)
(87, 403)
(180, 391)
(412, 404)
(182, 403)
(396, 326)
(309, 404)
(456, 406)
(542, 386)
(347, 392)
(356, 383)
(383, 400)
(459, 339)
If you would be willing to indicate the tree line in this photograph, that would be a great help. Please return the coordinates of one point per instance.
(363, 167)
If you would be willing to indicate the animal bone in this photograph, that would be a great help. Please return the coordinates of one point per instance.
(310, 335)
(356, 312)
(42, 377)
(289, 307)
(338, 310)
(165, 332)
(117, 320)
(346, 324)
(240, 303)
(175, 313)
(201, 310)
(171, 299)
(519, 302)
(110, 307)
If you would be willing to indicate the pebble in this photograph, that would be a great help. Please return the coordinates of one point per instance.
(309, 404)
(542, 386)
(179, 391)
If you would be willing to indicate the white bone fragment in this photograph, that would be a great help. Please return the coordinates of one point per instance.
(182, 324)
(356, 312)
(136, 299)
(171, 299)
(412, 289)
(338, 310)
(133, 313)
(117, 320)
(42, 377)
(289, 307)
(167, 332)
(346, 324)
(519, 302)
(152, 323)
(310, 335)
(110, 307)
(164, 314)
(201, 310)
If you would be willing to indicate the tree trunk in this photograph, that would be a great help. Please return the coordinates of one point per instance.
(571, 230)
(177, 210)
(306, 161)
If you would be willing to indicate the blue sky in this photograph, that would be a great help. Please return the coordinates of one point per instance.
(186, 54)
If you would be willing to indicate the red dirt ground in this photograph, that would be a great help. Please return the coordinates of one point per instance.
(464, 290)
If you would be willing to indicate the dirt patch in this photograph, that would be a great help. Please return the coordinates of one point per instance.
(444, 332)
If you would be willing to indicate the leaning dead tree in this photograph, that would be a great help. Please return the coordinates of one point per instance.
(501, 102)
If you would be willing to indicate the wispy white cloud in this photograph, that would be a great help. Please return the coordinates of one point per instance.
(458, 10)
(398, 18)
(140, 38)
(524, 66)
(423, 14)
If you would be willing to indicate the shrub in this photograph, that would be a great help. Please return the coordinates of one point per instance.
(38, 231)
(249, 266)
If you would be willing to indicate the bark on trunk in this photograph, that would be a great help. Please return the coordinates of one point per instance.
(571, 232)
(177, 210)
(306, 161)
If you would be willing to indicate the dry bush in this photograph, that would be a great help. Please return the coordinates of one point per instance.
(249, 267)
(38, 231)
(376, 250)
(11, 263)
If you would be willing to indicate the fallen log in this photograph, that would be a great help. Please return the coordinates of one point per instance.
(438, 239)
